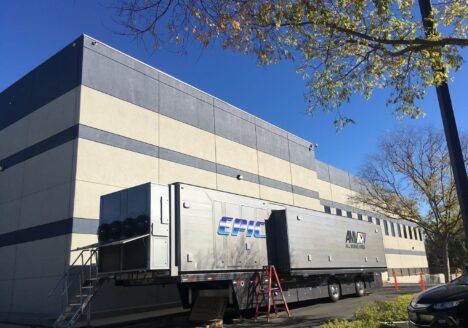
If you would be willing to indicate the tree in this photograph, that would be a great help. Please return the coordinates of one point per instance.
(458, 254)
(410, 179)
(341, 47)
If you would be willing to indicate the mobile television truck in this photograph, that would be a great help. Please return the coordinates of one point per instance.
(211, 242)
(207, 239)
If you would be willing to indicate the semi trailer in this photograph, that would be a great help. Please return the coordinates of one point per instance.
(211, 242)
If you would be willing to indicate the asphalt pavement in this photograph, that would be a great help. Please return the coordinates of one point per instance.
(303, 314)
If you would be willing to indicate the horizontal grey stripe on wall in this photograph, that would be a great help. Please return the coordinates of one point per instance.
(232, 172)
(305, 192)
(40, 147)
(184, 159)
(85, 226)
(43, 231)
(49, 230)
(110, 139)
(275, 184)
(118, 141)
(404, 252)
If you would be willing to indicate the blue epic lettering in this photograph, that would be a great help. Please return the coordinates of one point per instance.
(234, 226)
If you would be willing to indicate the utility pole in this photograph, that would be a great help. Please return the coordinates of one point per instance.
(450, 128)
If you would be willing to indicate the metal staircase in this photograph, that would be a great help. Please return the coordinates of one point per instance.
(77, 287)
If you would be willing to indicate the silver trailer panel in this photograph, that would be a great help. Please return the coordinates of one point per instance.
(215, 230)
(309, 239)
(195, 230)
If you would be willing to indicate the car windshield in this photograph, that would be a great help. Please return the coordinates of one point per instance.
(463, 280)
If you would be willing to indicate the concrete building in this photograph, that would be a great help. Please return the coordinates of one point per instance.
(92, 120)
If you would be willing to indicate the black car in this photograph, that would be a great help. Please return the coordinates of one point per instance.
(441, 306)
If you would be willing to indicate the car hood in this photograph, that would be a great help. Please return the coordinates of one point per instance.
(442, 293)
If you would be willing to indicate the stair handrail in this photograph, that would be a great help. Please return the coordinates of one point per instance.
(65, 277)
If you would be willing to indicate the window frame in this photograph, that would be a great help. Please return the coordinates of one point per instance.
(392, 228)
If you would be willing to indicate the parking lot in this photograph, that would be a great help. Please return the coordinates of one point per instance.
(306, 314)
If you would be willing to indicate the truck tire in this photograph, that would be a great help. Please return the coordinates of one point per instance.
(360, 289)
(334, 291)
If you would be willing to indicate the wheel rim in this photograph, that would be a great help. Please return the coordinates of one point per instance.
(334, 289)
(360, 286)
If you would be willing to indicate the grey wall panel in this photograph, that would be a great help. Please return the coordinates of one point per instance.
(233, 110)
(186, 108)
(322, 171)
(185, 88)
(270, 127)
(339, 177)
(111, 53)
(301, 155)
(301, 141)
(272, 143)
(235, 128)
(56, 76)
(355, 184)
(109, 76)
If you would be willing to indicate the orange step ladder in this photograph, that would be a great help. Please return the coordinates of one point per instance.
(268, 286)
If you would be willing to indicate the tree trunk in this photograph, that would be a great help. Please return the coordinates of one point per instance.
(445, 256)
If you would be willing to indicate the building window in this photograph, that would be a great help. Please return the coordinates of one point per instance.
(420, 234)
(359, 216)
(369, 218)
(338, 212)
(327, 209)
(349, 214)
(399, 230)
(404, 231)
(377, 220)
(392, 226)
(385, 227)
(410, 232)
(416, 233)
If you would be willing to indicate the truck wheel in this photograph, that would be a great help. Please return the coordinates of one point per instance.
(360, 290)
(334, 291)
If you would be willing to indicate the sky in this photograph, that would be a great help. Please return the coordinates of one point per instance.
(32, 31)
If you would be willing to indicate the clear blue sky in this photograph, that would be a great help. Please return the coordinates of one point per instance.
(31, 31)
